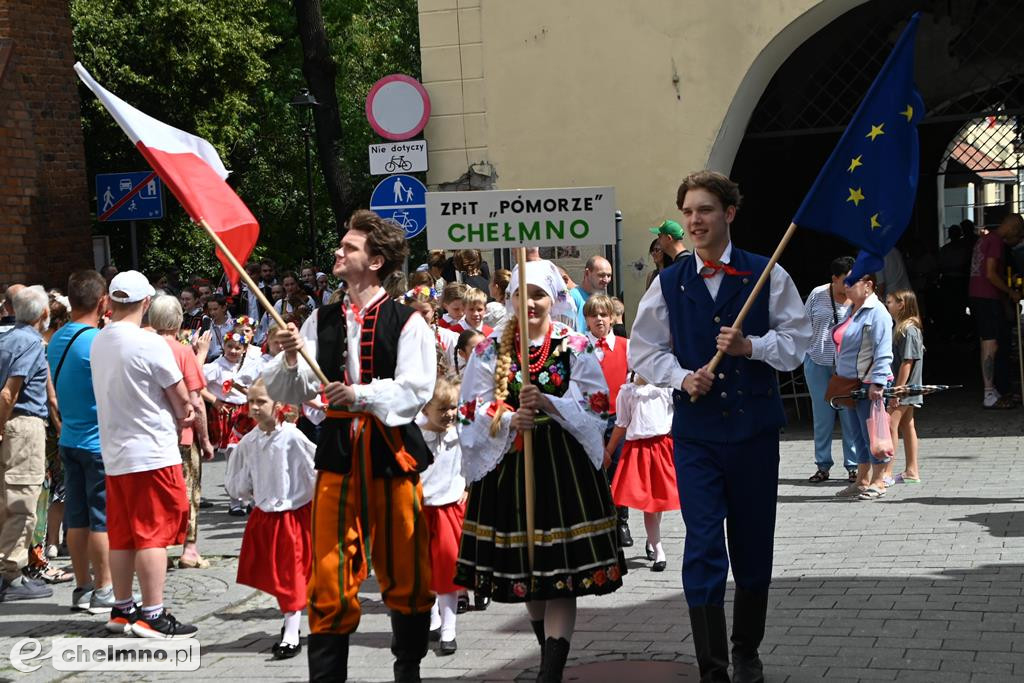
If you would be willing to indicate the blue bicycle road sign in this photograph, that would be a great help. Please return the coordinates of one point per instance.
(402, 200)
(129, 196)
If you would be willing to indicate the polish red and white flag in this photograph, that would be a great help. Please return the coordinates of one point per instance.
(192, 169)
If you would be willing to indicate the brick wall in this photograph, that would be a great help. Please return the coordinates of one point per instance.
(44, 212)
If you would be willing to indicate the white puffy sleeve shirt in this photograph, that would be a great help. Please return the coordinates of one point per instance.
(782, 347)
(442, 482)
(394, 401)
(275, 469)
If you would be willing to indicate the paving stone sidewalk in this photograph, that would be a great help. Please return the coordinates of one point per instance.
(923, 585)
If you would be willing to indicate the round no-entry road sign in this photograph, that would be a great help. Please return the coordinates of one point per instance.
(397, 107)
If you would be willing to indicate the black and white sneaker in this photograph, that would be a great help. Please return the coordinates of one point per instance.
(121, 620)
(163, 626)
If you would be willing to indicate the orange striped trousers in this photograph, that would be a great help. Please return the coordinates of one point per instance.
(355, 518)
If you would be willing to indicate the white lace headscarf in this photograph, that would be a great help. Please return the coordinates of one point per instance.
(545, 275)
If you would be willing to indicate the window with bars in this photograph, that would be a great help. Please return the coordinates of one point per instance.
(969, 63)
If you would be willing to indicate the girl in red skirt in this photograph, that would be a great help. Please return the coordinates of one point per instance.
(444, 505)
(273, 464)
(227, 379)
(646, 476)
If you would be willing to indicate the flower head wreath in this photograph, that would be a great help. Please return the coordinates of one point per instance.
(421, 294)
(239, 337)
(245, 320)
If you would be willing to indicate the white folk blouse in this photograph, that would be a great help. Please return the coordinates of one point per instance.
(245, 373)
(443, 482)
(275, 469)
(644, 410)
(481, 452)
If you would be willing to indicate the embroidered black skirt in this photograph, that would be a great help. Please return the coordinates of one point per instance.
(577, 549)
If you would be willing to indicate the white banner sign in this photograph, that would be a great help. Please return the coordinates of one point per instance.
(408, 156)
(497, 219)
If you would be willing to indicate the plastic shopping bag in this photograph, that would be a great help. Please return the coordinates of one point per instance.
(878, 430)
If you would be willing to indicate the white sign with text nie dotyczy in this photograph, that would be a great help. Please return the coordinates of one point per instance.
(496, 219)
(407, 156)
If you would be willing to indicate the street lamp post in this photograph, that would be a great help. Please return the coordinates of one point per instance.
(305, 102)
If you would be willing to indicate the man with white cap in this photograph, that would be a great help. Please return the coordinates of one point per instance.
(143, 405)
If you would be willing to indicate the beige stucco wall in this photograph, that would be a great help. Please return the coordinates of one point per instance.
(629, 93)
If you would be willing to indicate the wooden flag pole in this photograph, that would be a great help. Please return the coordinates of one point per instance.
(758, 286)
(267, 306)
(524, 369)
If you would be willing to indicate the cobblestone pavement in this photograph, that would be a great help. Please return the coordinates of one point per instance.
(923, 585)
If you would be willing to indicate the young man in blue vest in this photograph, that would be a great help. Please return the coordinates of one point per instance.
(727, 441)
(381, 361)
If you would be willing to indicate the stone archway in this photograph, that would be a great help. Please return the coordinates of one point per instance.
(970, 71)
(761, 72)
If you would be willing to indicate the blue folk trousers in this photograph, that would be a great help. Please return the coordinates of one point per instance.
(734, 487)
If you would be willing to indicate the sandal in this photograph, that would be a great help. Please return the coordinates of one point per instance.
(818, 477)
(1002, 403)
(871, 494)
(904, 479)
(851, 476)
(51, 574)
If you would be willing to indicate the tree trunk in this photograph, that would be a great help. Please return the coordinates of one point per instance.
(321, 72)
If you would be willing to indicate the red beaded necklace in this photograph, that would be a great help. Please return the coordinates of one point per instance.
(540, 356)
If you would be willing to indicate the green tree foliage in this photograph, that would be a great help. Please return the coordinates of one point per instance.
(227, 71)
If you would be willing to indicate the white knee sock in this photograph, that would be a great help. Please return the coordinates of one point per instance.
(435, 615)
(448, 604)
(292, 620)
(560, 618)
(652, 522)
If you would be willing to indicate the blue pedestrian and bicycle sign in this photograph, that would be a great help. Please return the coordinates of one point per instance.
(402, 200)
(130, 196)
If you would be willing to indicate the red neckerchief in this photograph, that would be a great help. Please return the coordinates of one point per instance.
(724, 267)
(602, 343)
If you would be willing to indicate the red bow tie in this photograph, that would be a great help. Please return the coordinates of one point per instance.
(602, 343)
(724, 267)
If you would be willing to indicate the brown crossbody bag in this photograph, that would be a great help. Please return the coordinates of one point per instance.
(839, 386)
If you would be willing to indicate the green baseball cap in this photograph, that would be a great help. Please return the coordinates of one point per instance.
(669, 228)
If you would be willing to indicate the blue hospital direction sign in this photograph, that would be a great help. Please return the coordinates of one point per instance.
(129, 196)
(401, 199)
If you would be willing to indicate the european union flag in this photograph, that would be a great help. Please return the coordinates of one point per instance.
(865, 192)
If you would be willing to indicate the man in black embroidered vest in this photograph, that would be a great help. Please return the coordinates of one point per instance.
(727, 442)
(379, 357)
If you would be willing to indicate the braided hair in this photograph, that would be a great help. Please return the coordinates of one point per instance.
(502, 365)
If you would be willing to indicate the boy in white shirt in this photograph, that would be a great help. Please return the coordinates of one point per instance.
(140, 411)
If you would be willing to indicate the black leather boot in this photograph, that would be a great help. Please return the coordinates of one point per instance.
(625, 538)
(410, 635)
(552, 663)
(538, 630)
(327, 654)
(710, 643)
(748, 616)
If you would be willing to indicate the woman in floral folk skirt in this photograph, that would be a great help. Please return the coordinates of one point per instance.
(576, 549)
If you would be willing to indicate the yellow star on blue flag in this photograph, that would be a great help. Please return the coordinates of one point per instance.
(880, 148)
